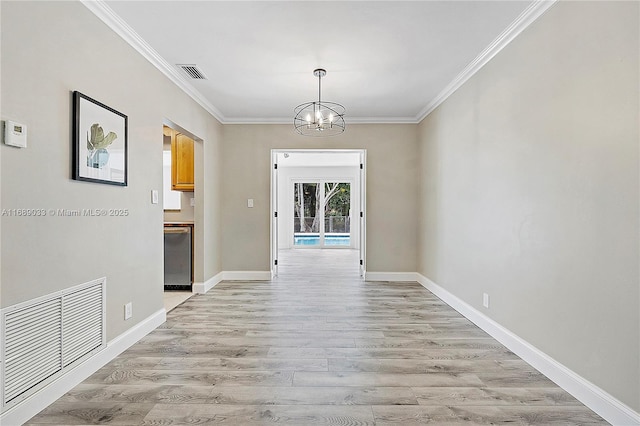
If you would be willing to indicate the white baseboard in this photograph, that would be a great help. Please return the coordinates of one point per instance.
(208, 285)
(266, 276)
(391, 276)
(601, 402)
(40, 400)
(231, 276)
(246, 275)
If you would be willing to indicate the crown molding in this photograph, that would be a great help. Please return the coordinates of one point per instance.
(348, 120)
(259, 120)
(383, 120)
(526, 18)
(120, 27)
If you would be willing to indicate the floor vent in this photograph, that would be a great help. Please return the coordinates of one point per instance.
(46, 336)
(192, 71)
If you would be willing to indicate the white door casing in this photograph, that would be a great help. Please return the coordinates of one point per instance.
(282, 198)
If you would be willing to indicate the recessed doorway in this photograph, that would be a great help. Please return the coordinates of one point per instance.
(318, 203)
(179, 212)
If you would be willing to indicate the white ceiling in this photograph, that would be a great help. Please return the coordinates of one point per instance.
(386, 61)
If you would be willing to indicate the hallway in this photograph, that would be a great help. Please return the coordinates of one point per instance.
(318, 264)
(317, 345)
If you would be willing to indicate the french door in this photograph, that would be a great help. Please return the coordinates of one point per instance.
(321, 214)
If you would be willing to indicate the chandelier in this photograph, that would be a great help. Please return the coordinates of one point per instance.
(319, 118)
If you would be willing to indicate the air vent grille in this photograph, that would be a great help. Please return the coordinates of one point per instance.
(45, 337)
(193, 71)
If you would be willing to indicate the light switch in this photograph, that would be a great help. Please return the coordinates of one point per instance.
(192, 202)
(154, 196)
(250, 203)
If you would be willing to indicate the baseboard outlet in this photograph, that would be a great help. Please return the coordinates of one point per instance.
(40, 400)
(391, 276)
(598, 400)
(208, 284)
(246, 275)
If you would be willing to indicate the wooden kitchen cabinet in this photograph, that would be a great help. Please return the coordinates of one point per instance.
(182, 176)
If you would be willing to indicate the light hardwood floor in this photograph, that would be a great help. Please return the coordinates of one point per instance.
(317, 346)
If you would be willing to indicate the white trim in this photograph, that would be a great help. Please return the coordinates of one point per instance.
(247, 275)
(208, 284)
(231, 276)
(120, 27)
(362, 215)
(273, 228)
(391, 276)
(598, 400)
(526, 18)
(273, 221)
(352, 120)
(37, 402)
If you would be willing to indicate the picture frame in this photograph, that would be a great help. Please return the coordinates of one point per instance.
(100, 136)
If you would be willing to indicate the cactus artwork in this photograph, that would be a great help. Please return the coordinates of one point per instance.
(97, 144)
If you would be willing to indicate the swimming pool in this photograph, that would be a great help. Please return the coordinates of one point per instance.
(329, 240)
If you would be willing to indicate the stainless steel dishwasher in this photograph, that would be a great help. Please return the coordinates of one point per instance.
(177, 257)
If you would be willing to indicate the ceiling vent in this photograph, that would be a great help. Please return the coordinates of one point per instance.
(192, 71)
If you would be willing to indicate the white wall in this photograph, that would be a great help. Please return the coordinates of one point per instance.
(286, 178)
(50, 49)
(392, 186)
(530, 191)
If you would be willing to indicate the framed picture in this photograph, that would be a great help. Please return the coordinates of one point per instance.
(99, 142)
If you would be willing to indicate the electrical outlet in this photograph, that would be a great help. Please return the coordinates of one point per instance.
(485, 300)
(128, 311)
(250, 203)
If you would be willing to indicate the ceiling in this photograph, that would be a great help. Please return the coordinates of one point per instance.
(386, 61)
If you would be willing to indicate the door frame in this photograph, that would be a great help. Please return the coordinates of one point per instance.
(197, 233)
(274, 219)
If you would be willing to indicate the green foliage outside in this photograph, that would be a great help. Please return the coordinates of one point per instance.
(307, 207)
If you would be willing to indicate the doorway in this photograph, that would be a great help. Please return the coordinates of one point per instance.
(179, 212)
(318, 202)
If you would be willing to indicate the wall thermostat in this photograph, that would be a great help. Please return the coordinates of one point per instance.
(15, 134)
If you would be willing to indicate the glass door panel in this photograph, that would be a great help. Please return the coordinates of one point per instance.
(321, 214)
(306, 214)
(337, 220)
